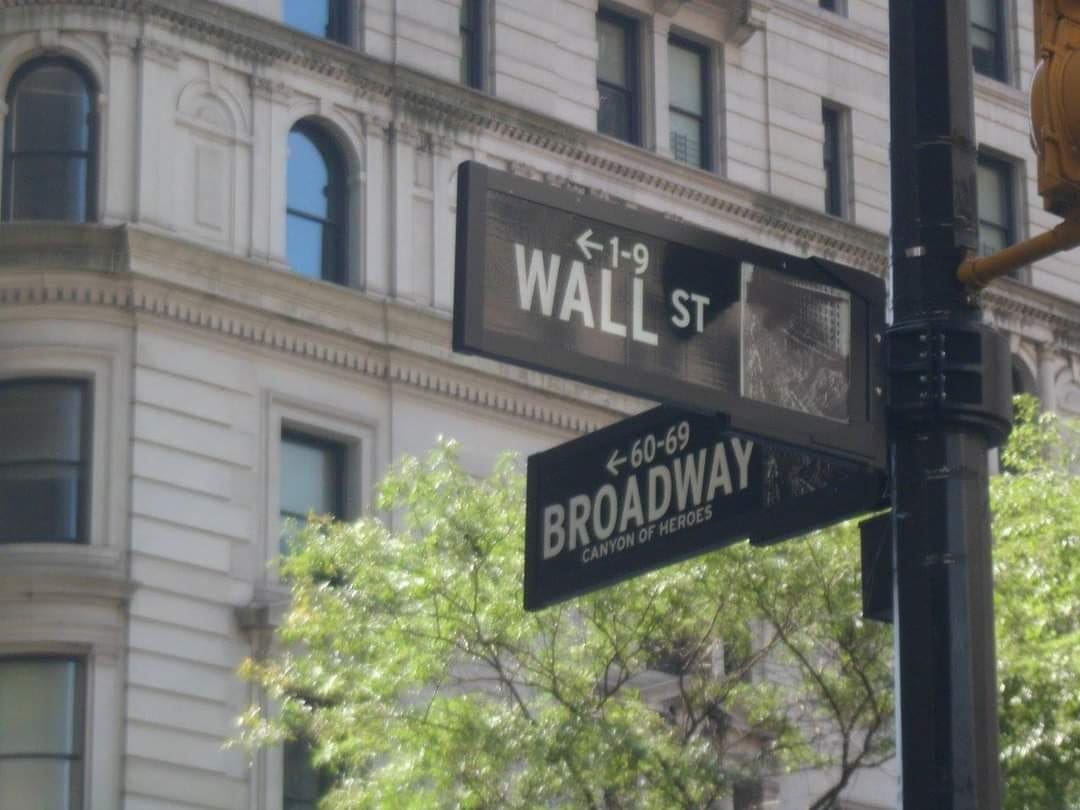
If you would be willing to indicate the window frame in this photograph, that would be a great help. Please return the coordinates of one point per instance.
(631, 31)
(337, 26)
(837, 192)
(77, 789)
(323, 776)
(704, 53)
(89, 155)
(473, 38)
(84, 464)
(1006, 168)
(337, 194)
(338, 453)
(999, 69)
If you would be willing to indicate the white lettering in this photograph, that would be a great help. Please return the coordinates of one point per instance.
(607, 324)
(640, 333)
(678, 300)
(702, 301)
(579, 515)
(689, 478)
(606, 498)
(536, 276)
(719, 477)
(554, 535)
(742, 458)
(659, 505)
(576, 296)
(631, 507)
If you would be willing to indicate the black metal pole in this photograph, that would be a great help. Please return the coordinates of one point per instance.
(949, 404)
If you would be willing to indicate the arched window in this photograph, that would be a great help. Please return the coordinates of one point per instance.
(49, 143)
(320, 18)
(1023, 381)
(316, 204)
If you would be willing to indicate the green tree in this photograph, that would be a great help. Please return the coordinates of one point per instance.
(1036, 505)
(409, 662)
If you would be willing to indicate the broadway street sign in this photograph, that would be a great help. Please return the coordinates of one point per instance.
(666, 485)
(785, 347)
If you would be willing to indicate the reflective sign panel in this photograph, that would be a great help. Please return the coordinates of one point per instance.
(632, 301)
(666, 485)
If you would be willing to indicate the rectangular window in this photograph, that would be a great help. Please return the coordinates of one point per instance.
(748, 796)
(44, 455)
(302, 783)
(616, 76)
(41, 733)
(312, 479)
(987, 40)
(830, 5)
(688, 102)
(471, 28)
(834, 154)
(327, 19)
(997, 220)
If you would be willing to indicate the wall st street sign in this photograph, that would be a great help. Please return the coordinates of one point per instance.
(666, 485)
(784, 347)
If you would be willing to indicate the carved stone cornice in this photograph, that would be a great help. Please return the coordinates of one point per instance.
(436, 105)
(64, 572)
(841, 27)
(1008, 300)
(148, 276)
(160, 52)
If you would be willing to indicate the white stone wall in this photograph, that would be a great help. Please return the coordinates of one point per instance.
(202, 344)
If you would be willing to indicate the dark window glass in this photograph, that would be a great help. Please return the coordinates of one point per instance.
(44, 449)
(748, 796)
(997, 227)
(987, 42)
(1023, 381)
(312, 478)
(320, 18)
(303, 783)
(41, 733)
(832, 158)
(828, 5)
(315, 214)
(688, 108)
(472, 43)
(616, 76)
(49, 143)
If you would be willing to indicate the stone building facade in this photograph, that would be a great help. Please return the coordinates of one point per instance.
(188, 327)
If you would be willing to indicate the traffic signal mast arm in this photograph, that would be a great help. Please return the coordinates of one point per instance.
(1055, 135)
(978, 271)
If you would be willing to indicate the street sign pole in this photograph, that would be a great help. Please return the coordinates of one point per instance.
(948, 397)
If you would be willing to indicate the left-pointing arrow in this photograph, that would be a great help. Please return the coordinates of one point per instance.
(615, 462)
(586, 246)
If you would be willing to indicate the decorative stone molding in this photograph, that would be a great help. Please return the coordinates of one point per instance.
(441, 106)
(127, 270)
(157, 51)
(54, 593)
(404, 133)
(271, 90)
(834, 25)
(120, 45)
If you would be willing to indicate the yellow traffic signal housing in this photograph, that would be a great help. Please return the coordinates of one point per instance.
(1055, 104)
